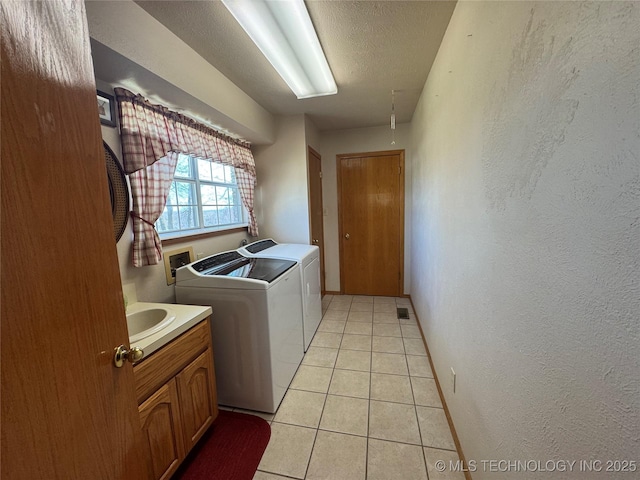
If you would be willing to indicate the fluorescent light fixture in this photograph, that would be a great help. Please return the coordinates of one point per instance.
(283, 32)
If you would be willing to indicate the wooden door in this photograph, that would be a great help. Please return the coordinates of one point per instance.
(162, 429)
(316, 208)
(371, 210)
(198, 402)
(67, 412)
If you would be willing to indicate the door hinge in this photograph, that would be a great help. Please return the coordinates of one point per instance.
(320, 174)
(399, 170)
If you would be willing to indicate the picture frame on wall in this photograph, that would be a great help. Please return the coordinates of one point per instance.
(106, 109)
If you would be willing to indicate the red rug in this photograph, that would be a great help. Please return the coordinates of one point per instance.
(230, 450)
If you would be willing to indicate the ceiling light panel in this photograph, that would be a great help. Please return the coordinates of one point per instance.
(283, 32)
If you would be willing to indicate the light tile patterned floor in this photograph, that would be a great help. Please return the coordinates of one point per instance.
(363, 404)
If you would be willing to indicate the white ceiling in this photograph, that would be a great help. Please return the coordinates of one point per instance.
(372, 47)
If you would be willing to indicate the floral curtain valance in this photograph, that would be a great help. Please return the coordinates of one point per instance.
(152, 136)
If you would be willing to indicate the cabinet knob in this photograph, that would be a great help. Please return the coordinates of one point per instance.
(121, 354)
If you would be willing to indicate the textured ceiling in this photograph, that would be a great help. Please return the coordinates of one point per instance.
(372, 47)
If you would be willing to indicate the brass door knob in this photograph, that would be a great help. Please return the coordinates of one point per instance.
(347, 236)
(121, 354)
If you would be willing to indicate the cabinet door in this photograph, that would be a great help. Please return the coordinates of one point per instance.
(198, 402)
(162, 430)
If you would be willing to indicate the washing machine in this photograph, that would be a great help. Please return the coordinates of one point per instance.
(256, 324)
(308, 256)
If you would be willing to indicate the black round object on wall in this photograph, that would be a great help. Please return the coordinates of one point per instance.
(118, 190)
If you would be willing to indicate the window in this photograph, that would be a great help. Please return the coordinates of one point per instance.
(203, 197)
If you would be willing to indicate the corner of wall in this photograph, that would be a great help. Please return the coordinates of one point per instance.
(282, 191)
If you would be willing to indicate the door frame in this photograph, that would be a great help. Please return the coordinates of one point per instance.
(381, 153)
(311, 151)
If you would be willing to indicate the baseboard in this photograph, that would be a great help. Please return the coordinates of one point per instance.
(404, 295)
(328, 292)
(467, 474)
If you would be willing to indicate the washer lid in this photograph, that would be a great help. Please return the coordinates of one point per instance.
(266, 269)
(235, 265)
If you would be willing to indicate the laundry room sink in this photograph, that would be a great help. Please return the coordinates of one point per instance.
(144, 323)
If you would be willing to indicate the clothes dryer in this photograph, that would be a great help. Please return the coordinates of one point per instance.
(308, 256)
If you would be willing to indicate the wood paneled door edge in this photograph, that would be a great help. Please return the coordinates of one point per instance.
(380, 153)
(314, 151)
(316, 208)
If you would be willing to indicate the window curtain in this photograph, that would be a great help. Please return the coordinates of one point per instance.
(152, 137)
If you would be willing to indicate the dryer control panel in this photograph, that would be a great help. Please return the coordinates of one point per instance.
(261, 245)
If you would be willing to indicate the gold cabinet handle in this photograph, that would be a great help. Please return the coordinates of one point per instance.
(121, 354)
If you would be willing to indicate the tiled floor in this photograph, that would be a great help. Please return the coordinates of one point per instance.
(363, 404)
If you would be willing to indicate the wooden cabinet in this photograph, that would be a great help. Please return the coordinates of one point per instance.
(195, 384)
(162, 429)
(176, 393)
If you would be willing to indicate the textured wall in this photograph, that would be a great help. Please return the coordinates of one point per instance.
(282, 196)
(526, 230)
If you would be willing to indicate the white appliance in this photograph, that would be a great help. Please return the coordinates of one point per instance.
(309, 258)
(256, 324)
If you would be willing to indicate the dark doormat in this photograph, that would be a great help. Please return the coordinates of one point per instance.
(230, 450)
